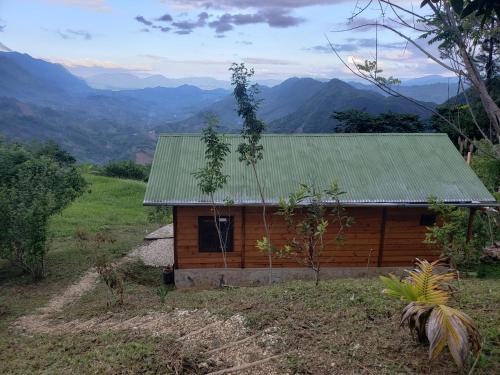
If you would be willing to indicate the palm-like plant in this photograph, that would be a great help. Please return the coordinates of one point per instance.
(428, 315)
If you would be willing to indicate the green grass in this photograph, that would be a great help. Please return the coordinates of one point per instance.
(88, 354)
(108, 202)
(112, 207)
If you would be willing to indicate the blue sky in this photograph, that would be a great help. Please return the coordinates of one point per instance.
(279, 38)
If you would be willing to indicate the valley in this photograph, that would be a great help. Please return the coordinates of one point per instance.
(42, 101)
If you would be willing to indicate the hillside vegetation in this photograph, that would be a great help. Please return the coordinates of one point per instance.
(111, 208)
(42, 101)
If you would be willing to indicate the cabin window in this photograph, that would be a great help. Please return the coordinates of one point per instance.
(428, 220)
(208, 239)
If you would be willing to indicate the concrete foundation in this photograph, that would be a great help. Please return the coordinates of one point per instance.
(212, 277)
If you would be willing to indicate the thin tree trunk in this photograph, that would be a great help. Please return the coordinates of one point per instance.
(219, 233)
(490, 107)
(264, 221)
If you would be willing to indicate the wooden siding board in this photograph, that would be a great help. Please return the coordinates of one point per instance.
(402, 240)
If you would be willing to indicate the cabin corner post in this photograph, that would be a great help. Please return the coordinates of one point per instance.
(174, 221)
(243, 237)
(472, 213)
(382, 238)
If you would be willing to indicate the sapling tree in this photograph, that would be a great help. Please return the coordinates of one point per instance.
(309, 213)
(250, 149)
(211, 177)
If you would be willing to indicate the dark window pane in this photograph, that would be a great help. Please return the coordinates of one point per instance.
(208, 239)
(428, 220)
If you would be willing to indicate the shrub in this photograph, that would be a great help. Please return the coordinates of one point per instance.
(450, 234)
(162, 292)
(487, 166)
(159, 214)
(113, 279)
(34, 185)
(126, 169)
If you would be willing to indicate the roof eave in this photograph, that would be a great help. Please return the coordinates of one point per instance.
(343, 203)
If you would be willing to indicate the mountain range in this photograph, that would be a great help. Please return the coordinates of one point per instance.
(433, 88)
(300, 105)
(42, 101)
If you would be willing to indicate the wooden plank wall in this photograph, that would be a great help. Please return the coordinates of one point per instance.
(359, 247)
(404, 236)
(402, 241)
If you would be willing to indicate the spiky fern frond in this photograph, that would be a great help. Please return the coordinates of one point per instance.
(428, 282)
(397, 288)
(423, 284)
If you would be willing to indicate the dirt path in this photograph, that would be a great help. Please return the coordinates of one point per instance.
(225, 344)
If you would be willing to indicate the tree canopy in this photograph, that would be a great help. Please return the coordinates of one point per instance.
(355, 121)
(34, 185)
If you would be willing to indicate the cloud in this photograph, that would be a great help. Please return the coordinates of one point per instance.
(356, 44)
(163, 29)
(144, 21)
(2, 28)
(187, 27)
(280, 18)
(272, 17)
(96, 5)
(326, 48)
(74, 34)
(362, 24)
(245, 42)
(222, 24)
(144, 30)
(245, 4)
(165, 18)
(80, 33)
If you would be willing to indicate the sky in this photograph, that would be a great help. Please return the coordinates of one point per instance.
(201, 38)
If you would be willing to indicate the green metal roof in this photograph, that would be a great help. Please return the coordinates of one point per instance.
(374, 169)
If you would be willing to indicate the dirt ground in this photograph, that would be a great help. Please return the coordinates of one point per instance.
(225, 343)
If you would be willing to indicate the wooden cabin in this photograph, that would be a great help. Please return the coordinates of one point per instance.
(388, 180)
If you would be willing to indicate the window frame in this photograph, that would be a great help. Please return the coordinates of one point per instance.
(202, 227)
(427, 220)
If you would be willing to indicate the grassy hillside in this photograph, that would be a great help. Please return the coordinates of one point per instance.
(111, 207)
(108, 203)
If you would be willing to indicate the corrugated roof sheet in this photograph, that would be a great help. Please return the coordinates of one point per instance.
(371, 168)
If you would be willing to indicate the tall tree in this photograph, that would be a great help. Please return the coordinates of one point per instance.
(250, 149)
(457, 35)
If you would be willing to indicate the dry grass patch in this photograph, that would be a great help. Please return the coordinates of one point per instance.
(342, 326)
